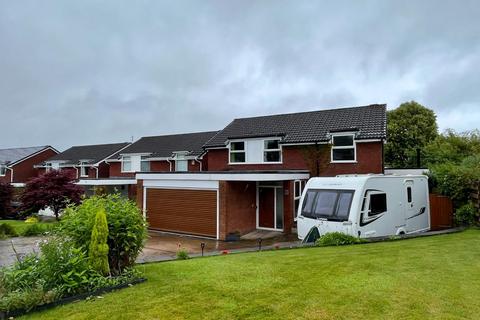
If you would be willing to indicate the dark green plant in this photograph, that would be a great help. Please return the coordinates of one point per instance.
(337, 239)
(127, 229)
(98, 249)
(182, 255)
(466, 215)
(7, 230)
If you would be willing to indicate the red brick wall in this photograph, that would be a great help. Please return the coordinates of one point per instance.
(161, 166)
(7, 177)
(116, 170)
(369, 160)
(237, 207)
(24, 170)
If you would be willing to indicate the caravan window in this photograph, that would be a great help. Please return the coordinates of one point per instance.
(327, 204)
(378, 204)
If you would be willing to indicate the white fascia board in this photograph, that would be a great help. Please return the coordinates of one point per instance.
(225, 176)
(368, 140)
(159, 159)
(215, 148)
(105, 182)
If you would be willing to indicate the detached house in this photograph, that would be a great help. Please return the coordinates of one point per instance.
(17, 165)
(85, 162)
(253, 170)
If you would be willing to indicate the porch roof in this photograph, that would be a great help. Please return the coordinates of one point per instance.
(244, 175)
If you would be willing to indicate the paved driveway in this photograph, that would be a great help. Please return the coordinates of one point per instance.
(161, 246)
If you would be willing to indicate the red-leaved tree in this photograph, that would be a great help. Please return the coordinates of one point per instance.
(54, 189)
(6, 194)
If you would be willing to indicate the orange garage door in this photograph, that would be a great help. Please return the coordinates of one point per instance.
(184, 211)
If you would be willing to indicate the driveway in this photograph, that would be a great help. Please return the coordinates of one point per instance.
(162, 246)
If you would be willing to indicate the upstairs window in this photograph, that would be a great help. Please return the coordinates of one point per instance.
(181, 165)
(237, 152)
(343, 148)
(144, 164)
(272, 151)
(126, 164)
(84, 169)
(3, 170)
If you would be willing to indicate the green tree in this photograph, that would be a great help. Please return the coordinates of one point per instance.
(410, 128)
(98, 249)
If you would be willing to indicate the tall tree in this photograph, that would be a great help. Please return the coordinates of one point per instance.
(54, 189)
(410, 128)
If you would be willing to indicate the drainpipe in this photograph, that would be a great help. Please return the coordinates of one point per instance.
(199, 162)
(170, 163)
(96, 170)
(77, 176)
(11, 173)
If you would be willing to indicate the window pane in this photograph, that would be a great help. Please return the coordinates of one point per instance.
(145, 166)
(279, 208)
(237, 157)
(181, 165)
(3, 170)
(271, 144)
(271, 156)
(308, 204)
(343, 154)
(298, 191)
(237, 146)
(409, 194)
(342, 141)
(126, 164)
(378, 204)
(325, 203)
(343, 206)
(297, 203)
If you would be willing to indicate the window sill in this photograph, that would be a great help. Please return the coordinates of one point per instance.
(253, 163)
(346, 161)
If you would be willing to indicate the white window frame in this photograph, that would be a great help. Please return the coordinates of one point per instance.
(230, 151)
(295, 197)
(279, 149)
(83, 165)
(144, 159)
(123, 164)
(178, 161)
(343, 147)
(3, 168)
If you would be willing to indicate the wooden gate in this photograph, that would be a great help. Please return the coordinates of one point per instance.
(441, 212)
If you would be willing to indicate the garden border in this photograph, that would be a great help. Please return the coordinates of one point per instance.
(19, 312)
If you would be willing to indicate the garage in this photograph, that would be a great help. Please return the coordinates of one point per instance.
(190, 211)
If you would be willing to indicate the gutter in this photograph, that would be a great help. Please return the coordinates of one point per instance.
(170, 163)
(196, 159)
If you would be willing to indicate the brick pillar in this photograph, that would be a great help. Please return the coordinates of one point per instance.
(223, 201)
(288, 205)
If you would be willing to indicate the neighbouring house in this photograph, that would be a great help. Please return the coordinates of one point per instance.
(17, 165)
(254, 170)
(86, 163)
(167, 153)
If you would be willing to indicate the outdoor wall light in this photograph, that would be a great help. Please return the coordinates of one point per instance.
(202, 245)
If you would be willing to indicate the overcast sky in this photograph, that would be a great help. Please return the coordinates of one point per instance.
(88, 72)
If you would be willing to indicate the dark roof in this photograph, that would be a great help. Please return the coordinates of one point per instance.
(164, 146)
(13, 155)
(368, 121)
(92, 153)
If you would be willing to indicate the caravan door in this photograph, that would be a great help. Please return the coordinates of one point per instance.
(415, 206)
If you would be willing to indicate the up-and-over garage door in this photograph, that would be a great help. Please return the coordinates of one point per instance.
(182, 210)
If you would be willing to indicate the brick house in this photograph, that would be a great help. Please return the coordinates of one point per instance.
(17, 165)
(254, 170)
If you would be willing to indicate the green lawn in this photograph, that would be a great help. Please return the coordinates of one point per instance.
(20, 226)
(433, 277)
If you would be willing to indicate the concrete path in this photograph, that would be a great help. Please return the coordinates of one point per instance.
(22, 245)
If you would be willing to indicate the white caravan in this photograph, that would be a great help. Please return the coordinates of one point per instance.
(365, 205)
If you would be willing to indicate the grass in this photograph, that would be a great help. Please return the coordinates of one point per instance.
(21, 226)
(431, 277)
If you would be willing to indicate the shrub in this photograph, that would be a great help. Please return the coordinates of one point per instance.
(7, 230)
(31, 219)
(337, 239)
(126, 228)
(182, 255)
(466, 215)
(37, 229)
(98, 249)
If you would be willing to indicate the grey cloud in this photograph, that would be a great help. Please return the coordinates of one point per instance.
(103, 71)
